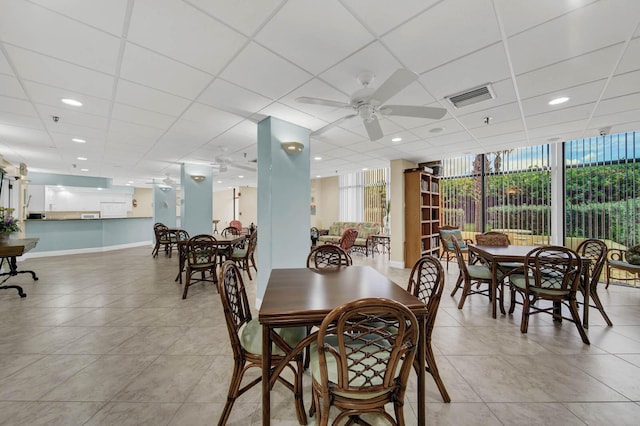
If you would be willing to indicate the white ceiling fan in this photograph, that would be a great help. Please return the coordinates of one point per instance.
(368, 103)
(168, 181)
(222, 163)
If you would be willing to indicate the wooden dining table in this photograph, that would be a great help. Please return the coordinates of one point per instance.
(515, 253)
(303, 297)
(225, 243)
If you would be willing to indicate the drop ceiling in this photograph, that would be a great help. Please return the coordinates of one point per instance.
(165, 82)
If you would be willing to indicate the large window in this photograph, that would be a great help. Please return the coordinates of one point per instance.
(603, 189)
(508, 191)
(363, 196)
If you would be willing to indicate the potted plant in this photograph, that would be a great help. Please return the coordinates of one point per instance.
(8, 224)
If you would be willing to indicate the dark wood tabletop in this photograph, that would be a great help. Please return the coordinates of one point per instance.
(516, 253)
(303, 297)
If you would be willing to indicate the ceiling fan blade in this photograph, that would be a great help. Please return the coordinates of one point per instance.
(373, 129)
(414, 111)
(325, 102)
(321, 130)
(394, 84)
(243, 167)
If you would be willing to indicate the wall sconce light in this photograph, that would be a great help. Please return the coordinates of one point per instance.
(165, 188)
(292, 147)
(198, 178)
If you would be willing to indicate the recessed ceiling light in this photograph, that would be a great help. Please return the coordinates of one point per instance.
(78, 140)
(99, 189)
(241, 177)
(437, 130)
(130, 181)
(71, 102)
(318, 176)
(396, 139)
(127, 184)
(364, 169)
(82, 158)
(84, 170)
(317, 158)
(558, 101)
(219, 181)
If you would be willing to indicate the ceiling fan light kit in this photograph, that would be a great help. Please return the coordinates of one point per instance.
(368, 103)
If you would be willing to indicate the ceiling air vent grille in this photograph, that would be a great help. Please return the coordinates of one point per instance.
(472, 96)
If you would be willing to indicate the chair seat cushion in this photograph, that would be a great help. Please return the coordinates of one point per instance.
(479, 271)
(332, 369)
(633, 255)
(448, 234)
(239, 253)
(519, 281)
(251, 337)
(623, 265)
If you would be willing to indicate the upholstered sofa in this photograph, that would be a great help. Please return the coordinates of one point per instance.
(365, 230)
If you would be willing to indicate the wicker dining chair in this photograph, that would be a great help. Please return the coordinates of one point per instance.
(245, 333)
(163, 238)
(201, 259)
(447, 235)
(473, 274)
(244, 256)
(596, 251)
(230, 230)
(549, 273)
(362, 360)
(328, 257)
(426, 282)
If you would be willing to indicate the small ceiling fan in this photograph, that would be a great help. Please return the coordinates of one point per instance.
(368, 103)
(168, 181)
(222, 163)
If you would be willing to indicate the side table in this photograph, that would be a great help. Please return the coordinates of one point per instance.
(379, 243)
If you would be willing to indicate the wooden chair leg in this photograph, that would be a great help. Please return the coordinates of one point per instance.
(457, 286)
(598, 303)
(432, 368)
(573, 308)
(297, 390)
(524, 323)
(232, 395)
(607, 275)
(465, 291)
(186, 284)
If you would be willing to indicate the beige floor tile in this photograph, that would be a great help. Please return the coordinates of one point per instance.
(611, 413)
(134, 414)
(111, 328)
(101, 380)
(170, 378)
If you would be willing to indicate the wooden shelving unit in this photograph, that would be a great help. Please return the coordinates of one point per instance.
(421, 216)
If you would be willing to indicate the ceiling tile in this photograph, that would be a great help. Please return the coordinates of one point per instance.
(620, 84)
(108, 15)
(143, 97)
(10, 87)
(244, 15)
(631, 58)
(53, 72)
(263, 72)
(519, 15)
(291, 115)
(140, 116)
(443, 33)
(51, 96)
(484, 66)
(229, 97)
(187, 35)
(306, 25)
(554, 79)
(378, 16)
(574, 34)
(159, 72)
(582, 94)
(32, 27)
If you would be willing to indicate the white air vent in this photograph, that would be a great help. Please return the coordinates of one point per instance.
(472, 96)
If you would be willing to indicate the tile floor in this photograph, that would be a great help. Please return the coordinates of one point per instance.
(106, 339)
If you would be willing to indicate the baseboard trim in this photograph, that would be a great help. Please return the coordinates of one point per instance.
(52, 253)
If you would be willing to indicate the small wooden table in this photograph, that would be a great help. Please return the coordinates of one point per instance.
(514, 253)
(9, 251)
(303, 297)
(377, 241)
(225, 243)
